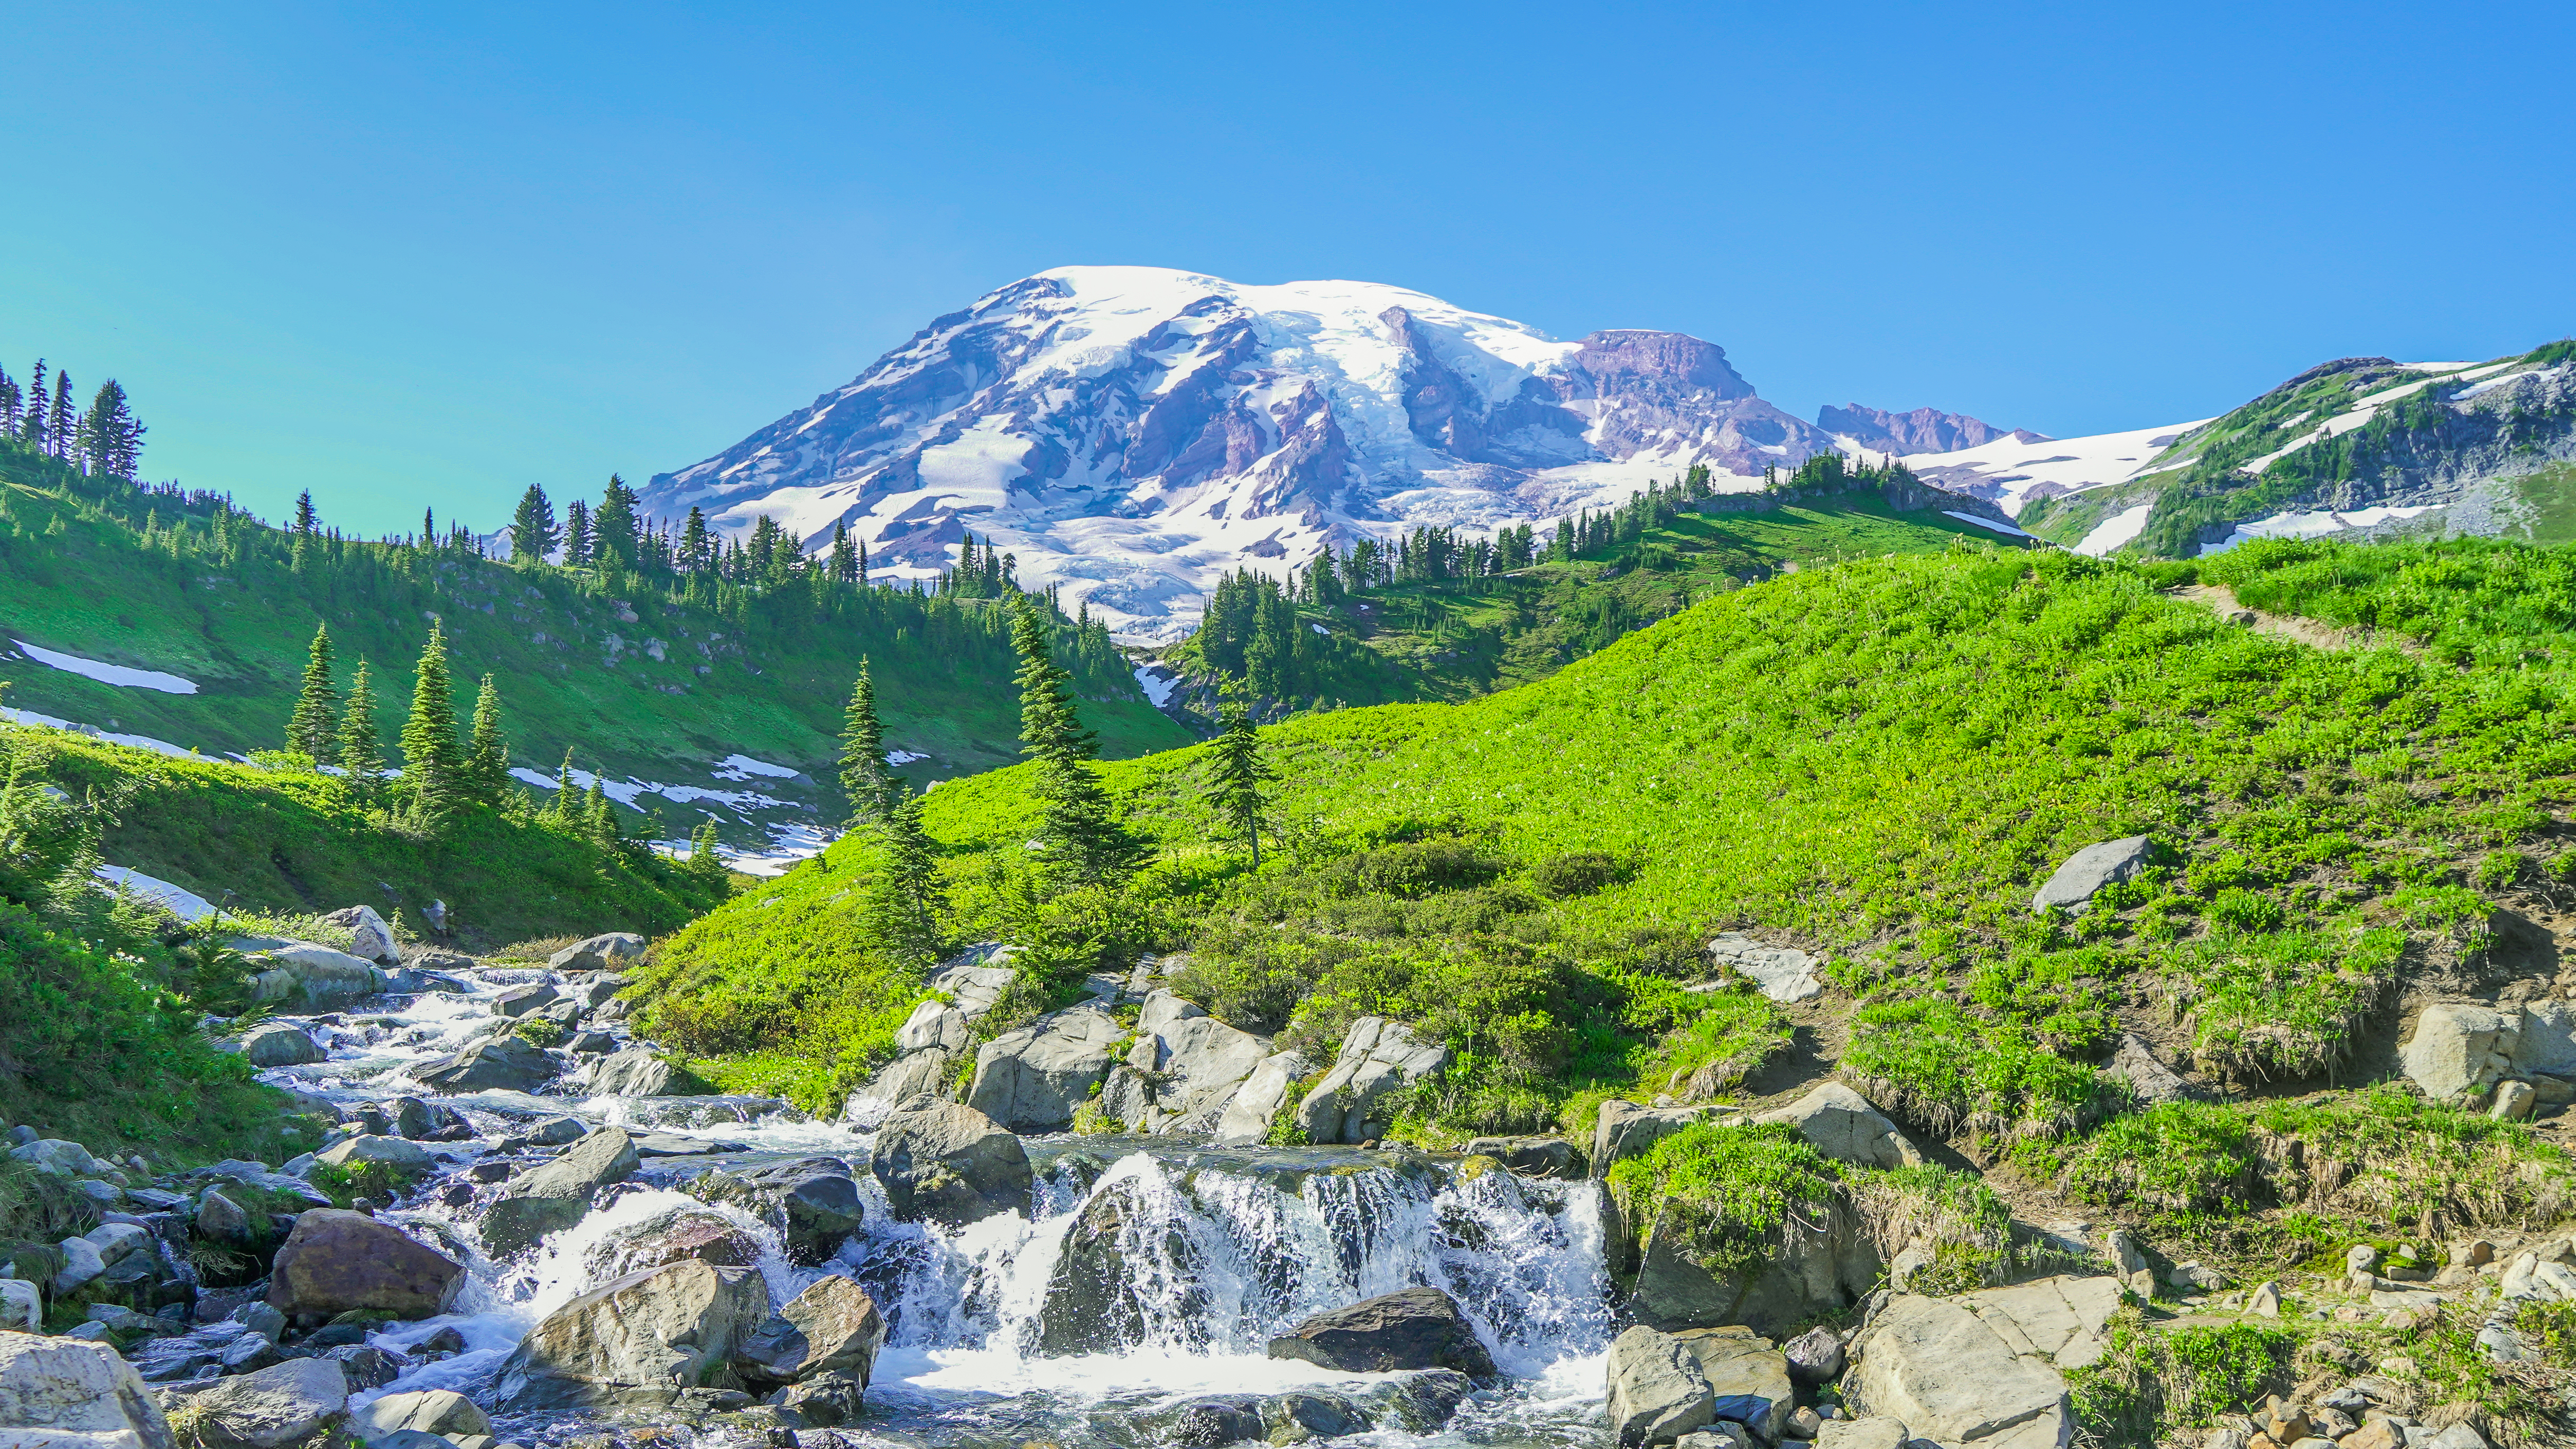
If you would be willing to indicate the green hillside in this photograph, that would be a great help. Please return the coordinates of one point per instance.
(652, 672)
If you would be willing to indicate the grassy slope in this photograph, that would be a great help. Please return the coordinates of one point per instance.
(84, 585)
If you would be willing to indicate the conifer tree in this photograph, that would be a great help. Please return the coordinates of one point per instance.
(864, 776)
(706, 855)
(428, 528)
(31, 427)
(433, 769)
(306, 520)
(694, 557)
(58, 426)
(487, 758)
(360, 750)
(309, 729)
(532, 528)
(1084, 843)
(908, 886)
(566, 791)
(1236, 776)
(577, 541)
(110, 440)
(8, 405)
(614, 524)
(599, 814)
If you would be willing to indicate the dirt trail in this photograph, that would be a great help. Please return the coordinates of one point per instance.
(2310, 632)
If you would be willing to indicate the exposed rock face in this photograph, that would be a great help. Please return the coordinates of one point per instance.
(599, 953)
(812, 1201)
(637, 1072)
(2459, 1051)
(1412, 1329)
(1783, 973)
(1843, 1125)
(56, 1393)
(503, 1063)
(1376, 1058)
(1624, 1130)
(280, 1045)
(973, 985)
(553, 1197)
(334, 1261)
(1658, 1392)
(1532, 1156)
(2087, 871)
(684, 1234)
(1033, 1079)
(1255, 1105)
(933, 1024)
(1924, 430)
(912, 1075)
(2136, 1063)
(1203, 1062)
(304, 972)
(949, 1163)
(522, 1000)
(369, 937)
(1825, 1275)
(391, 1151)
(433, 1411)
(1982, 1370)
(832, 1327)
(1748, 1380)
(639, 1339)
(281, 1405)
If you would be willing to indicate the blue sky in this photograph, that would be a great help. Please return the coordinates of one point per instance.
(404, 259)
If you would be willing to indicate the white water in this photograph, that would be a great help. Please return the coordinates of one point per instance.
(1216, 1252)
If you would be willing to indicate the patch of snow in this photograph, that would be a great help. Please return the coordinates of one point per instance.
(2006, 470)
(904, 757)
(1320, 629)
(741, 767)
(2492, 383)
(2314, 525)
(2115, 530)
(89, 731)
(179, 901)
(1158, 688)
(2432, 366)
(117, 674)
(788, 845)
(627, 791)
(1985, 523)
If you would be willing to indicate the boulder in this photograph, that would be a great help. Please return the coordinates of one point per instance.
(832, 1327)
(812, 1201)
(641, 1339)
(2136, 1063)
(1212, 1420)
(825, 1399)
(1843, 1125)
(672, 1237)
(599, 953)
(280, 1045)
(421, 1120)
(1874, 1432)
(1783, 973)
(590, 1044)
(22, 1306)
(1815, 1356)
(55, 1157)
(933, 1024)
(1376, 1058)
(2085, 873)
(278, 1406)
(394, 1152)
(1033, 1079)
(1656, 1389)
(335, 1262)
(638, 1072)
(520, 1000)
(1532, 1156)
(1748, 1379)
(2063, 1319)
(118, 1241)
(1202, 1061)
(1821, 1277)
(369, 937)
(1412, 1329)
(1255, 1105)
(2458, 1051)
(433, 1411)
(2546, 1043)
(58, 1393)
(1943, 1370)
(972, 986)
(81, 1263)
(314, 975)
(365, 1365)
(1128, 1097)
(553, 1197)
(223, 1220)
(915, 1074)
(948, 1163)
(502, 1063)
(1624, 1130)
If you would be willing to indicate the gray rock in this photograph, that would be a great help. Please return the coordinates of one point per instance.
(556, 1131)
(1939, 1367)
(22, 1306)
(222, 1219)
(825, 1399)
(933, 1024)
(591, 1044)
(504, 1063)
(1874, 1432)
(81, 1263)
(281, 1405)
(416, 1119)
(1377, 1057)
(433, 1411)
(249, 1353)
(1203, 1062)
(2136, 1063)
(596, 991)
(641, 1339)
(1532, 1156)
(1414, 1328)
(118, 1241)
(1255, 1105)
(1782, 973)
(833, 1327)
(1842, 1124)
(635, 1072)
(60, 1394)
(948, 1163)
(335, 1262)
(1163, 1009)
(1823, 1274)
(914, 1074)
(1748, 1379)
(262, 1319)
(599, 953)
(365, 1365)
(369, 937)
(1657, 1392)
(1128, 1096)
(57, 1158)
(2085, 873)
(280, 1045)
(392, 1151)
(553, 1197)
(1624, 1130)
(2458, 1051)
(812, 1200)
(1033, 1079)
(301, 971)
(1815, 1356)
(974, 985)
(520, 1000)
(2513, 1101)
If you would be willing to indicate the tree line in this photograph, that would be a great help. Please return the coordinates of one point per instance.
(105, 440)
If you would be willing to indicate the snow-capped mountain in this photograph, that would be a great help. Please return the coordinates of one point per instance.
(1131, 433)
(1924, 430)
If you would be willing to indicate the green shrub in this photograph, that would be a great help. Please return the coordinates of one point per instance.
(1575, 873)
(2149, 1383)
(1732, 1194)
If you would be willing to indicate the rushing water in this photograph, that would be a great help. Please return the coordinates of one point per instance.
(1193, 1258)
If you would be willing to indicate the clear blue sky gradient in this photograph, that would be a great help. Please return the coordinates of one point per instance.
(407, 259)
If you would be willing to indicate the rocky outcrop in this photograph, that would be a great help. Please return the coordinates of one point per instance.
(812, 1201)
(501, 1063)
(1199, 1064)
(832, 1327)
(640, 1072)
(279, 1406)
(673, 1237)
(432, 1411)
(334, 1262)
(1924, 430)
(599, 953)
(369, 937)
(2135, 1062)
(403, 1156)
(638, 1340)
(2458, 1051)
(553, 1197)
(1255, 1105)
(2087, 871)
(1657, 1392)
(280, 1045)
(1843, 1125)
(1033, 1079)
(947, 1163)
(1831, 1267)
(1748, 1379)
(933, 1024)
(1412, 1329)
(1783, 973)
(313, 975)
(973, 985)
(1982, 1370)
(61, 1393)
(923, 1073)
(1623, 1130)
(1377, 1057)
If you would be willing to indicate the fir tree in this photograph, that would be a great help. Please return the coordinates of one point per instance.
(907, 888)
(532, 528)
(706, 856)
(487, 758)
(110, 440)
(8, 405)
(566, 791)
(1236, 775)
(361, 752)
(309, 728)
(577, 543)
(1084, 844)
(428, 528)
(694, 557)
(58, 426)
(433, 769)
(865, 779)
(599, 814)
(614, 526)
(306, 521)
(31, 426)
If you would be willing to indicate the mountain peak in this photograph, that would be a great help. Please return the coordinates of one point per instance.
(1924, 430)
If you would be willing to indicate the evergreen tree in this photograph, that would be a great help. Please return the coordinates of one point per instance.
(599, 814)
(577, 543)
(306, 521)
(428, 528)
(58, 426)
(487, 758)
(309, 728)
(110, 440)
(706, 855)
(361, 751)
(433, 768)
(1236, 775)
(694, 556)
(532, 528)
(1084, 844)
(31, 427)
(907, 888)
(614, 526)
(8, 405)
(864, 776)
(566, 791)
